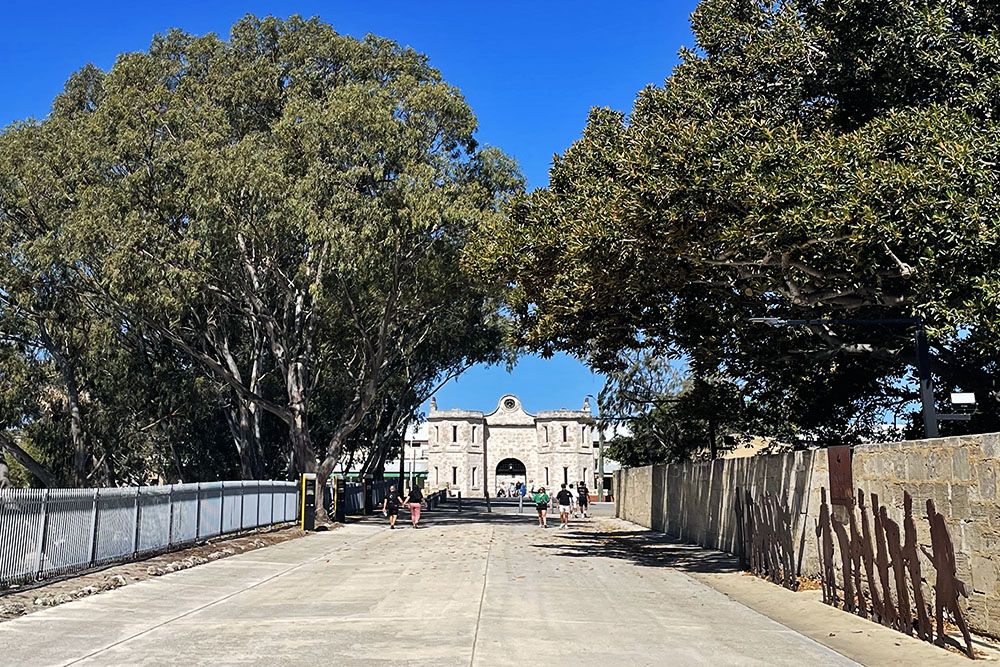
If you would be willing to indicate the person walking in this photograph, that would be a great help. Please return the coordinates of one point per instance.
(574, 505)
(565, 500)
(584, 494)
(542, 505)
(390, 506)
(415, 499)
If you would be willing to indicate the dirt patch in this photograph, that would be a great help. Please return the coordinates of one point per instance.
(25, 601)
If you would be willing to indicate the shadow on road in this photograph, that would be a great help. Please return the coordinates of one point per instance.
(643, 548)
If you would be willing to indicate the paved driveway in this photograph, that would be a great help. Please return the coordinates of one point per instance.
(465, 590)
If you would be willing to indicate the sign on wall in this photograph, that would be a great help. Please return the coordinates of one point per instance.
(841, 475)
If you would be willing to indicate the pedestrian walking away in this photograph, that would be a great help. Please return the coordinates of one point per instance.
(584, 494)
(542, 505)
(390, 506)
(565, 500)
(574, 504)
(416, 500)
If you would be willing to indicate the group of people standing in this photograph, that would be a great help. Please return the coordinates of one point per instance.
(574, 500)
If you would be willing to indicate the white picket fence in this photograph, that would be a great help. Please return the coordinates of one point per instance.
(47, 532)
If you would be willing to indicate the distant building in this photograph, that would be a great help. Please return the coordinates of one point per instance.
(549, 448)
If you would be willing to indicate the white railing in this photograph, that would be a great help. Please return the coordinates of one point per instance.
(47, 532)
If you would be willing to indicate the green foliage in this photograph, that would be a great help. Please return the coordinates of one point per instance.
(809, 158)
(268, 227)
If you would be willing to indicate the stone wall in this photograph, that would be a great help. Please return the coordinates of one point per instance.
(694, 501)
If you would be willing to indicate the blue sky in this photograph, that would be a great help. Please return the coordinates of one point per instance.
(530, 69)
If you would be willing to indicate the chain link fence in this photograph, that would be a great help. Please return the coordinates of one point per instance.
(48, 532)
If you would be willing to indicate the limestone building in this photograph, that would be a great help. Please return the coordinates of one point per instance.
(549, 448)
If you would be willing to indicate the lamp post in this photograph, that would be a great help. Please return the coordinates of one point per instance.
(486, 478)
(600, 450)
(930, 415)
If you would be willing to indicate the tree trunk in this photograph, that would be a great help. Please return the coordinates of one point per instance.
(244, 425)
(76, 433)
(323, 473)
(25, 459)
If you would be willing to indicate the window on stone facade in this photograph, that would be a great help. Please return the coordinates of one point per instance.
(454, 474)
(473, 433)
(437, 476)
(546, 476)
(437, 434)
(565, 433)
(583, 434)
(454, 433)
(583, 478)
(474, 477)
(565, 475)
(546, 433)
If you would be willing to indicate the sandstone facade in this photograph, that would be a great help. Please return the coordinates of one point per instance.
(548, 448)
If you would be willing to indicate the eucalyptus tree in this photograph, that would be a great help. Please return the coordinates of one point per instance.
(288, 208)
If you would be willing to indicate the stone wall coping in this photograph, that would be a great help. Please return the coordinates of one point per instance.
(562, 414)
(455, 414)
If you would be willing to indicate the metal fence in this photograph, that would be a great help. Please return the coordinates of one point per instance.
(354, 495)
(47, 532)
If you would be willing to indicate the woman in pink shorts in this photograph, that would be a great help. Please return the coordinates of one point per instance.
(415, 499)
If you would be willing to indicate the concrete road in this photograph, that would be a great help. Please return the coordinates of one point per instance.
(465, 590)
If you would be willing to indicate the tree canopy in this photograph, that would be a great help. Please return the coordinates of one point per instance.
(281, 214)
(807, 158)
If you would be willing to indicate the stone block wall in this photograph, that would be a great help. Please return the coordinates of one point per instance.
(694, 501)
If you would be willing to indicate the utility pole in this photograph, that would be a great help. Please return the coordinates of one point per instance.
(486, 478)
(600, 458)
(413, 464)
(926, 384)
(402, 464)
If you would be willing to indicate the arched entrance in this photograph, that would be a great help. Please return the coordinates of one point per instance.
(509, 472)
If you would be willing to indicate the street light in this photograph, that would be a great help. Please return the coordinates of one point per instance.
(930, 415)
(600, 450)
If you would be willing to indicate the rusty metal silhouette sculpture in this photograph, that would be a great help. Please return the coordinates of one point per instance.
(764, 538)
(897, 600)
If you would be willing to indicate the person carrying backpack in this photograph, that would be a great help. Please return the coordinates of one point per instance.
(542, 505)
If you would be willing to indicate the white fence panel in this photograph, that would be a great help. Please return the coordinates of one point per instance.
(49, 532)
(154, 518)
(184, 506)
(21, 524)
(117, 511)
(68, 530)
